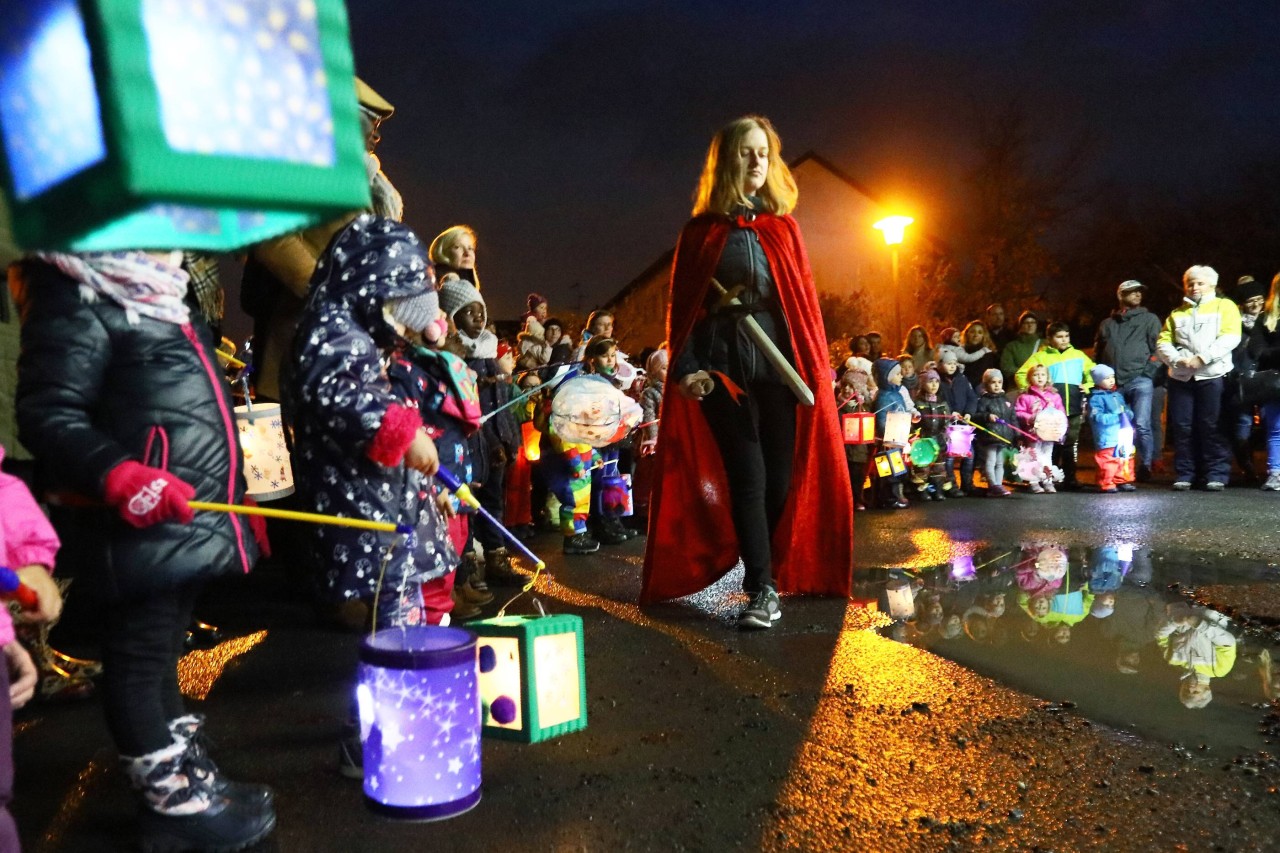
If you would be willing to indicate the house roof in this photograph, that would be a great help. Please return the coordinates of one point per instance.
(664, 260)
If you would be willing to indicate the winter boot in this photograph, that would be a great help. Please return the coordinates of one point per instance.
(472, 570)
(181, 811)
(468, 593)
(608, 532)
(580, 543)
(899, 498)
(189, 728)
(463, 609)
(498, 569)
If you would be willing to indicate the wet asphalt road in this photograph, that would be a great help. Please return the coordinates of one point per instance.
(817, 735)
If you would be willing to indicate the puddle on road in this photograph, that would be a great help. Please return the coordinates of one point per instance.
(1104, 629)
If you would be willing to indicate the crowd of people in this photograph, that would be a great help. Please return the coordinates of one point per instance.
(394, 381)
(1021, 396)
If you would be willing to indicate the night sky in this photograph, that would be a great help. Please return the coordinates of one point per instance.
(570, 134)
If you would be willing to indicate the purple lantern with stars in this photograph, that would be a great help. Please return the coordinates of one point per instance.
(420, 722)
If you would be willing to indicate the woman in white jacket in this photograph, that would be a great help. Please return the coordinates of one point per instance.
(1196, 343)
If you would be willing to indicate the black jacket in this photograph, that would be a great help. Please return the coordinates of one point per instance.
(95, 391)
(1126, 341)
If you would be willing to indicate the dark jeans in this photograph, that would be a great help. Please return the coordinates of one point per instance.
(1200, 450)
(1064, 454)
(141, 645)
(757, 439)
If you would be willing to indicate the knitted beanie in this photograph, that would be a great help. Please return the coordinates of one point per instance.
(455, 293)
(930, 374)
(948, 356)
(1101, 372)
(415, 312)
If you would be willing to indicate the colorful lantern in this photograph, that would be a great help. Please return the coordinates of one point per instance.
(420, 722)
(963, 569)
(858, 427)
(531, 440)
(890, 463)
(267, 472)
(902, 604)
(924, 452)
(897, 428)
(960, 441)
(166, 124)
(533, 681)
(589, 410)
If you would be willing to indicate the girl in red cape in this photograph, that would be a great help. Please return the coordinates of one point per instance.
(743, 469)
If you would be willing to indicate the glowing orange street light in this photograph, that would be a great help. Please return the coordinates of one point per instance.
(894, 230)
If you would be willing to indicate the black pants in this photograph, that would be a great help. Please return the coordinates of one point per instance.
(757, 438)
(142, 642)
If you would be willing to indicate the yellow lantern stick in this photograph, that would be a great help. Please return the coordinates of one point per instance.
(309, 517)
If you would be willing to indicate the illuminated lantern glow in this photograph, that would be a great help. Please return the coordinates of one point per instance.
(419, 710)
(897, 429)
(960, 441)
(902, 604)
(924, 452)
(890, 463)
(533, 683)
(858, 427)
(267, 472)
(531, 440)
(963, 569)
(1124, 442)
(171, 124)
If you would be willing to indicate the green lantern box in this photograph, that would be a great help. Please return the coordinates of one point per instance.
(533, 681)
(166, 124)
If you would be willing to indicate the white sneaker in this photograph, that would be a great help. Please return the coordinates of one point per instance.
(1037, 489)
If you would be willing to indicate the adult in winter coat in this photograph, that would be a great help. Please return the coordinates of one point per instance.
(1126, 342)
(361, 451)
(747, 474)
(1264, 351)
(1015, 352)
(1196, 342)
(122, 403)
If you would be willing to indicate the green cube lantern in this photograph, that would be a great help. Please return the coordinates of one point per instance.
(167, 124)
(533, 680)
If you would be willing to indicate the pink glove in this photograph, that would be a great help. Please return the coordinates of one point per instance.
(145, 496)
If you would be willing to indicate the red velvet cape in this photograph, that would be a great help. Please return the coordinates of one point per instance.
(691, 541)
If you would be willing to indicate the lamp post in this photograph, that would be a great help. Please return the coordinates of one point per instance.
(894, 228)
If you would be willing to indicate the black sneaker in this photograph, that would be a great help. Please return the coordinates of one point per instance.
(582, 543)
(1127, 487)
(761, 612)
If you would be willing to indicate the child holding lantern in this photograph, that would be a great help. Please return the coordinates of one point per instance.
(1110, 416)
(888, 376)
(854, 394)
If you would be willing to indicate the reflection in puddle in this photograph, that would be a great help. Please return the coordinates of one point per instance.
(1098, 627)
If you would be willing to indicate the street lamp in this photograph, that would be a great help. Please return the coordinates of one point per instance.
(894, 228)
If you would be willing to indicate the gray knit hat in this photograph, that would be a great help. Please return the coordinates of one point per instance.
(457, 292)
(415, 312)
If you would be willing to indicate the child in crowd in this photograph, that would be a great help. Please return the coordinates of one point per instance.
(1108, 415)
(602, 361)
(951, 340)
(1069, 374)
(854, 393)
(931, 480)
(519, 512)
(910, 379)
(993, 413)
(566, 469)
(889, 398)
(1037, 396)
(121, 402)
(495, 445)
(651, 399)
(963, 401)
(28, 545)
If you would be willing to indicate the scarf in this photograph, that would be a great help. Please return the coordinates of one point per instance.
(137, 282)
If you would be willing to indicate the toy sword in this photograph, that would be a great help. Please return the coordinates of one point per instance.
(770, 351)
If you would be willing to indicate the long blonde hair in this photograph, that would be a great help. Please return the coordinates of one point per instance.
(720, 187)
(1271, 311)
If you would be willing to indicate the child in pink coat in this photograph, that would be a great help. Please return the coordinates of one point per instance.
(28, 546)
(1037, 396)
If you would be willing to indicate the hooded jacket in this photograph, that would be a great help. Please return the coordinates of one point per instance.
(1107, 413)
(95, 390)
(26, 537)
(1127, 341)
(1032, 400)
(342, 406)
